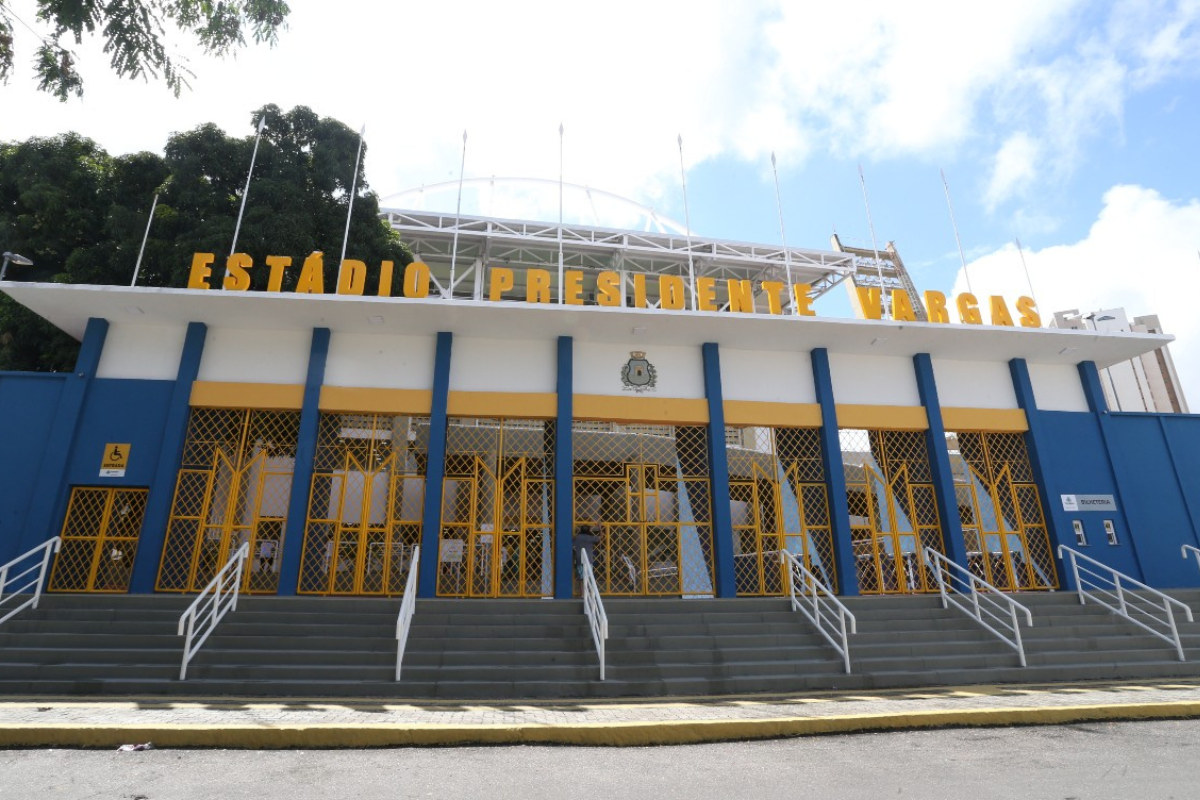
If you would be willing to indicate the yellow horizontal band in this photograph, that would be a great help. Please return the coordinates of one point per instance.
(354, 400)
(776, 415)
(272, 396)
(1005, 420)
(660, 410)
(530, 405)
(888, 418)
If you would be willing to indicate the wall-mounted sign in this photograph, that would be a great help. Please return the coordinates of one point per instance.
(638, 374)
(1089, 502)
(114, 461)
(615, 289)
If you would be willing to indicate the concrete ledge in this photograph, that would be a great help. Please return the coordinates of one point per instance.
(619, 734)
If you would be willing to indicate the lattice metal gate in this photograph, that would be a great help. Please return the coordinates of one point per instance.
(893, 509)
(233, 487)
(99, 540)
(646, 487)
(497, 509)
(1001, 511)
(779, 499)
(364, 510)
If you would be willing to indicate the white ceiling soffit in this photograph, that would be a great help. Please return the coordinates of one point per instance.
(69, 306)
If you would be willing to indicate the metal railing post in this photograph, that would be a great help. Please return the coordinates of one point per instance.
(38, 570)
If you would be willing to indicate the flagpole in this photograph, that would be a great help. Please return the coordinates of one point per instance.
(874, 244)
(457, 214)
(687, 223)
(787, 254)
(262, 123)
(961, 256)
(350, 210)
(560, 213)
(137, 267)
(1025, 267)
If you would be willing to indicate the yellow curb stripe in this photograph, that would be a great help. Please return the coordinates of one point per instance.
(616, 734)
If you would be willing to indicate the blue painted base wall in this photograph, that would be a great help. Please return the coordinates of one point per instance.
(28, 402)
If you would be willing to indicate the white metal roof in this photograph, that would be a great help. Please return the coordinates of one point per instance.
(69, 306)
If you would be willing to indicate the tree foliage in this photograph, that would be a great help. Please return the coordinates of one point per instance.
(80, 214)
(135, 36)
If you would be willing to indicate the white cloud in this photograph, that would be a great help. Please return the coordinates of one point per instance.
(1025, 79)
(1141, 254)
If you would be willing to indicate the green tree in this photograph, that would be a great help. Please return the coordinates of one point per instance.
(135, 36)
(80, 213)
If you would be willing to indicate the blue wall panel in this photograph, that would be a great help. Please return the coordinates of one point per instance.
(1077, 458)
(1156, 504)
(27, 407)
(118, 411)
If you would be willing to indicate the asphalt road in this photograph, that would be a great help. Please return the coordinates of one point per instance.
(1134, 760)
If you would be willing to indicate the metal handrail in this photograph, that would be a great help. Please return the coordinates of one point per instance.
(1187, 548)
(826, 608)
(993, 604)
(408, 607)
(49, 546)
(213, 603)
(1124, 606)
(593, 607)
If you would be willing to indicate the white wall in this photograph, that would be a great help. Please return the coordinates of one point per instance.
(1057, 387)
(145, 352)
(503, 365)
(371, 361)
(680, 370)
(974, 384)
(249, 356)
(874, 380)
(767, 377)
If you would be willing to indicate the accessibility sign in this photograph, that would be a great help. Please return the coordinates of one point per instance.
(114, 461)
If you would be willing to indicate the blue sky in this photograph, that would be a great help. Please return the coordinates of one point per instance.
(1073, 125)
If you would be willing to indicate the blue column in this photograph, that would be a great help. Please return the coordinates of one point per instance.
(302, 472)
(1036, 441)
(47, 505)
(435, 472)
(939, 462)
(835, 474)
(718, 472)
(1089, 376)
(564, 461)
(162, 491)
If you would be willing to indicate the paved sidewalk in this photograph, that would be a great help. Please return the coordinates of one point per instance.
(225, 722)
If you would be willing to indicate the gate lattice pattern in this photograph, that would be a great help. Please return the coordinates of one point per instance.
(233, 487)
(497, 509)
(893, 510)
(647, 488)
(364, 510)
(779, 499)
(1001, 511)
(99, 540)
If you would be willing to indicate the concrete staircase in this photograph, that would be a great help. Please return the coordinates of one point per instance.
(345, 647)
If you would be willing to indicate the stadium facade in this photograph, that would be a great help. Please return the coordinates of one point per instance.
(529, 380)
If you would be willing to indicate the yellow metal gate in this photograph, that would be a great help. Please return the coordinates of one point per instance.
(1001, 511)
(364, 512)
(233, 487)
(646, 487)
(497, 509)
(779, 499)
(893, 510)
(99, 540)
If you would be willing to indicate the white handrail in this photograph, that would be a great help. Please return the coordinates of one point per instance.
(1125, 600)
(408, 607)
(215, 601)
(826, 608)
(1187, 548)
(49, 546)
(593, 607)
(994, 603)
